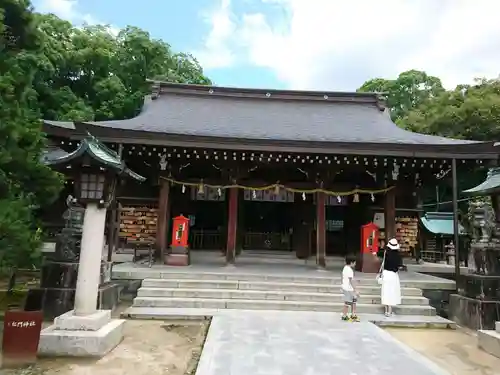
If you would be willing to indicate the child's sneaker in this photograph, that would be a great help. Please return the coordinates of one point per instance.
(345, 318)
(354, 318)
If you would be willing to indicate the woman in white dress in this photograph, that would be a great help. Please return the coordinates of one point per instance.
(391, 287)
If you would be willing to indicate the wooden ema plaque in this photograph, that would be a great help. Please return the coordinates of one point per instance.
(21, 335)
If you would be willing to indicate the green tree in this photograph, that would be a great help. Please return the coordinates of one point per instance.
(25, 183)
(406, 92)
(468, 112)
(90, 73)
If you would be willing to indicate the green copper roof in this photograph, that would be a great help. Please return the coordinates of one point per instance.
(490, 186)
(97, 151)
(440, 223)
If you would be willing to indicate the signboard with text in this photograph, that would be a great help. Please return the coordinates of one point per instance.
(21, 335)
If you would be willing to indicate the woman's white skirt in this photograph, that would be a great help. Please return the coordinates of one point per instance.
(391, 289)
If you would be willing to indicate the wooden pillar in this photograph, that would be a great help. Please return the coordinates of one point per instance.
(456, 234)
(113, 215)
(390, 214)
(232, 225)
(301, 237)
(113, 224)
(163, 219)
(240, 230)
(320, 230)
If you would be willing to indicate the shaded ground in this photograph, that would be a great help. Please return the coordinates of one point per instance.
(149, 347)
(454, 350)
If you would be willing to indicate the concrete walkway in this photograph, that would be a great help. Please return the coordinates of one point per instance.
(286, 343)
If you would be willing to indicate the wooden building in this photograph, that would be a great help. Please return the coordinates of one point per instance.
(437, 232)
(270, 169)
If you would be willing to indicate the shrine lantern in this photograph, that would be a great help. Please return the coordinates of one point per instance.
(180, 232)
(369, 238)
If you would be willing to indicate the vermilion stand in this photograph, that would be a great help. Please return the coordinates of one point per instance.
(179, 249)
(369, 248)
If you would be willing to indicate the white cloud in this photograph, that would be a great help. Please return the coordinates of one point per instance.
(66, 9)
(216, 52)
(69, 10)
(337, 45)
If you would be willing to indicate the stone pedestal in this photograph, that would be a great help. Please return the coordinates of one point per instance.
(92, 335)
(178, 256)
(85, 331)
(369, 263)
(489, 340)
(473, 313)
(478, 304)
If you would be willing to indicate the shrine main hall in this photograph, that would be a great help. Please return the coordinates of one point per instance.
(269, 170)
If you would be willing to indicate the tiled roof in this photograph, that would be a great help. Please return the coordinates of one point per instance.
(97, 151)
(440, 223)
(491, 185)
(278, 116)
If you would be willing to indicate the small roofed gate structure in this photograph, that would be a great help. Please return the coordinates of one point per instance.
(437, 235)
(297, 171)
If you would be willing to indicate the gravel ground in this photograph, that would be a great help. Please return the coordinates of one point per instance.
(149, 347)
(454, 350)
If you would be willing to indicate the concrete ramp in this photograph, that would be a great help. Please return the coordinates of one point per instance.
(284, 343)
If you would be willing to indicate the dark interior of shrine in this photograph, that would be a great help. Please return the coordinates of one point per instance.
(286, 225)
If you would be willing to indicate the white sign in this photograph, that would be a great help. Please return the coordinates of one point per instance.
(49, 247)
(379, 220)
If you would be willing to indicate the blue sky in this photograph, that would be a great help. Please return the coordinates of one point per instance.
(312, 44)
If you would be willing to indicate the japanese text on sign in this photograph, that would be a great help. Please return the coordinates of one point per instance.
(22, 324)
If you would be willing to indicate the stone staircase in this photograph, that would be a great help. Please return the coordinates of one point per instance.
(179, 292)
(266, 295)
(489, 340)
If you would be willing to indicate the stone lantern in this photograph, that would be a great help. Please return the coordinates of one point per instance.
(477, 306)
(86, 331)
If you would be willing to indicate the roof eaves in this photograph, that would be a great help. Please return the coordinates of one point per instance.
(440, 225)
(60, 124)
(82, 149)
(489, 186)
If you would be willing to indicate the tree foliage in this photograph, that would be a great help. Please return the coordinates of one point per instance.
(25, 183)
(467, 112)
(91, 73)
(419, 103)
(53, 70)
(408, 91)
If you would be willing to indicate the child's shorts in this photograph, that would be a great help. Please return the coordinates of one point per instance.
(349, 297)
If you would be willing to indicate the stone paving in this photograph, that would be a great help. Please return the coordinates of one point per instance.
(279, 343)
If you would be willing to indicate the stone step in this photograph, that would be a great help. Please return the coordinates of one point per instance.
(268, 295)
(489, 341)
(324, 277)
(266, 285)
(178, 314)
(242, 304)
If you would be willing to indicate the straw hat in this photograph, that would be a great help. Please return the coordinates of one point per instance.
(393, 244)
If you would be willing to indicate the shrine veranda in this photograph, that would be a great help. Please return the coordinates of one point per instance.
(269, 170)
